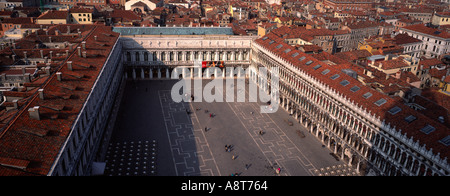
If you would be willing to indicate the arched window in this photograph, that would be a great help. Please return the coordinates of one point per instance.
(128, 56)
(137, 56)
(145, 56)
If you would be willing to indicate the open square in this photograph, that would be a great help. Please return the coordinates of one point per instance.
(192, 136)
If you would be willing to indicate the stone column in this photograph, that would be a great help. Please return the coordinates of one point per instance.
(134, 74)
(167, 73)
(142, 73)
(159, 73)
(151, 73)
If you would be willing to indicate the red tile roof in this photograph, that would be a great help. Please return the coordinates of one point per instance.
(40, 141)
(421, 28)
(398, 120)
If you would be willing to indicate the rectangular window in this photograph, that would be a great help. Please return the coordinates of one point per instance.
(428, 129)
(324, 72)
(335, 76)
(354, 88)
(344, 82)
(395, 110)
(410, 118)
(380, 102)
(317, 67)
(367, 95)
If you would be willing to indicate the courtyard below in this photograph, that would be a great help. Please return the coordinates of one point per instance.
(154, 135)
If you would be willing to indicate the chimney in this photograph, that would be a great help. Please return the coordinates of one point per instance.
(47, 69)
(408, 79)
(13, 57)
(59, 76)
(95, 37)
(68, 29)
(83, 43)
(41, 93)
(42, 53)
(24, 70)
(16, 105)
(84, 54)
(398, 74)
(25, 54)
(79, 51)
(70, 46)
(67, 52)
(50, 39)
(37, 46)
(34, 113)
(14, 45)
(27, 77)
(69, 65)
(51, 54)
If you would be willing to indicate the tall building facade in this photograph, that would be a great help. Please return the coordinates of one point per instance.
(369, 130)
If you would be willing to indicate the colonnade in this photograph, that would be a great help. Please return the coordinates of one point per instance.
(147, 57)
(347, 133)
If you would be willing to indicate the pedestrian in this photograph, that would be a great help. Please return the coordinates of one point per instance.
(210, 115)
(226, 148)
(233, 157)
(206, 129)
(246, 166)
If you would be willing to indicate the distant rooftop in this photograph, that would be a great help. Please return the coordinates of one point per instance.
(174, 30)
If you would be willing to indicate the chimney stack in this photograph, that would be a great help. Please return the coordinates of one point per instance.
(51, 54)
(16, 105)
(50, 39)
(34, 113)
(84, 54)
(95, 37)
(25, 54)
(59, 76)
(69, 65)
(47, 69)
(42, 53)
(398, 74)
(79, 51)
(41, 94)
(13, 57)
(83, 43)
(68, 29)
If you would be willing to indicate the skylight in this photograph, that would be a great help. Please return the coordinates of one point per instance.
(302, 58)
(445, 140)
(271, 42)
(264, 38)
(324, 72)
(367, 95)
(335, 76)
(344, 82)
(295, 54)
(395, 110)
(380, 102)
(287, 50)
(279, 46)
(410, 118)
(317, 67)
(428, 129)
(355, 88)
(309, 62)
